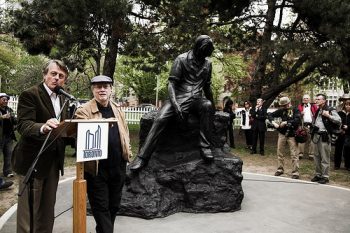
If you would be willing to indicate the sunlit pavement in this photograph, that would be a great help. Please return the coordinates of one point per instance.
(271, 204)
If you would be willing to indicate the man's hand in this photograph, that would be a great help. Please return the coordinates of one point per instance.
(49, 125)
(6, 116)
(275, 124)
(326, 114)
(283, 124)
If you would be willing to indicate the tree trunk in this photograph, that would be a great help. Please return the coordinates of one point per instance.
(262, 59)
(112, 50)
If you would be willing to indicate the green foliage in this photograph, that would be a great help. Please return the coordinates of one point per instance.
(229, 72)
(74, 31)
(18, 70)
(140, 74)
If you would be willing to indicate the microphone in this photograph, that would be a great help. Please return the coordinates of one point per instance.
(60, 91)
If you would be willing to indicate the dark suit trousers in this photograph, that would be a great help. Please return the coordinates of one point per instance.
(43, 206)
(257, 134)
(230, 136)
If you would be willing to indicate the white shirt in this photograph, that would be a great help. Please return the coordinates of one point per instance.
(55, 100)
(307, 114)
(246, 125)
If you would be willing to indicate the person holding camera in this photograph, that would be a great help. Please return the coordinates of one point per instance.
(8, 122)
(327, 119)
(342, 145)
(290, 120)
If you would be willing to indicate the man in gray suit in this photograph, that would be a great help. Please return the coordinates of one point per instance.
(39, 113)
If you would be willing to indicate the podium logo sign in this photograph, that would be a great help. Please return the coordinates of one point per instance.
(92, 141)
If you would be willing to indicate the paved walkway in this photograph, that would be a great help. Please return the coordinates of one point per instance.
(270, 205)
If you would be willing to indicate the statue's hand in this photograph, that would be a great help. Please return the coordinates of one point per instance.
(179, 112)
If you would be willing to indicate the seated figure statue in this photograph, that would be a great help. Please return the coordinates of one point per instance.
(189, 78)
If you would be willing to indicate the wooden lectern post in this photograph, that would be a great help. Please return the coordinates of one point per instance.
(79, 200)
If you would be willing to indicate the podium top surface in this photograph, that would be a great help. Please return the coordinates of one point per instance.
(91, 120)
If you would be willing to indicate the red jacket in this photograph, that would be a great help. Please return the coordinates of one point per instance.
(314, 108)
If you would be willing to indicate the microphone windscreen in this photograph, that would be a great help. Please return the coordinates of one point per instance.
(57, 89)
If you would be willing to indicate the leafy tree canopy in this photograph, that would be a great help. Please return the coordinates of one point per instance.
(74, 30)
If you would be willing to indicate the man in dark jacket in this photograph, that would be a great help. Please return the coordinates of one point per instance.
(38, 114)
(189, 78)
(286, 126)
(7, 133)
(259, 116)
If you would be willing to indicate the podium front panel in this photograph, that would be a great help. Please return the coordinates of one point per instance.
(92, 141)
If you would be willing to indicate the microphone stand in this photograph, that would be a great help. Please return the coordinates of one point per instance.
(28, 180)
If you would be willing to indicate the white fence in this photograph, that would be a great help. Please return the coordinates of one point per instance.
(133, 114)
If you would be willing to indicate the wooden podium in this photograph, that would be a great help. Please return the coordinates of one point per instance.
(69, 128)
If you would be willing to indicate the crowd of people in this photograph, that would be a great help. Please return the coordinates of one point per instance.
(309, 129)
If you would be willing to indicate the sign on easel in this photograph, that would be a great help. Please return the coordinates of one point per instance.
(92, 141)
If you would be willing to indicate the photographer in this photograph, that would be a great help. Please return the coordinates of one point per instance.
(342, 145)
(290, 121)
(326, 120)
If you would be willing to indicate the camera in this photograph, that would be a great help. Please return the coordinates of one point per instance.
(314, 129)
(289, 127)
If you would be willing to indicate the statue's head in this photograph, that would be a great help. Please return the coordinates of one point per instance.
(203, 47)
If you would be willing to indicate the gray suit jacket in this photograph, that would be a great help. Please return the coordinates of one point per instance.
(34, 109)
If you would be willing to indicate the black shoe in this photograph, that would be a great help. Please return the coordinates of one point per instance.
(206, 154)
(295, 176)
(323, 180)
(5, 184)
(262, 153)
(278, 173)
(253, 152)
(137, 164)
(316, 179)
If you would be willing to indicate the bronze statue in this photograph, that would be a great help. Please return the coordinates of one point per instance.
(189, 78)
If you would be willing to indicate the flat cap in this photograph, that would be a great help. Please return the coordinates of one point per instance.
(101, 79)
(4, 95)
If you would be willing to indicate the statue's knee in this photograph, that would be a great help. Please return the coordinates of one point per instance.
(160, 120)
(207, 105)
